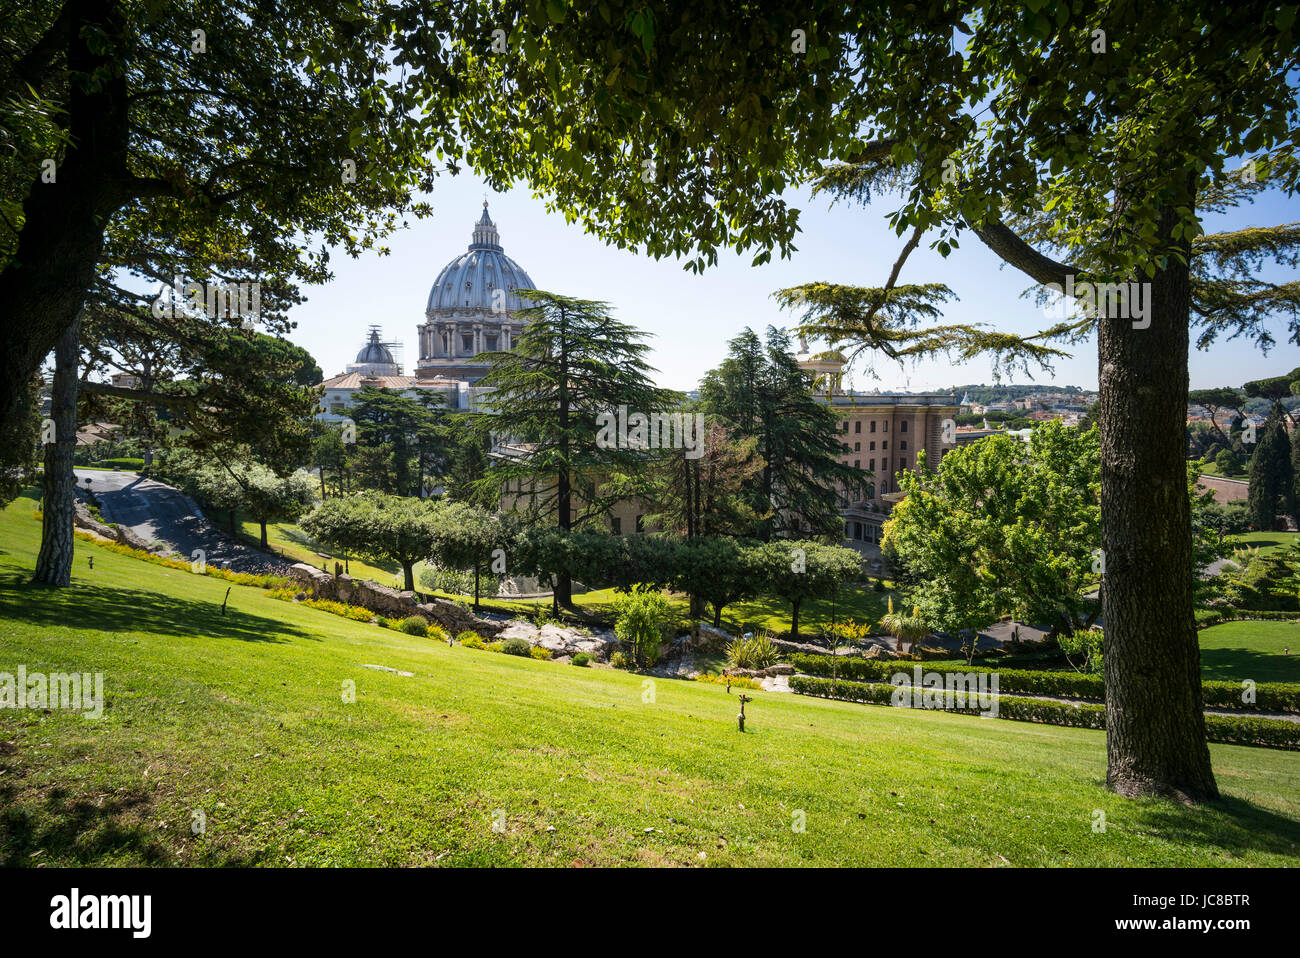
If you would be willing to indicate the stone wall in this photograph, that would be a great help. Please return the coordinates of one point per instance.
(387, 602)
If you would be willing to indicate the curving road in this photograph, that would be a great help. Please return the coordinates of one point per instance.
(158, 512)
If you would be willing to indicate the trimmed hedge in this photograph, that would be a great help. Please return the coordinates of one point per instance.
(1208, 617)
(1269, 696)
(1228, 729)
(1038, 682)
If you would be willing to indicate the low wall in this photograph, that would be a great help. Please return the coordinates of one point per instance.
(391, 603)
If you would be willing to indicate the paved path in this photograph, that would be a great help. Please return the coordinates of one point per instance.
(158, 512)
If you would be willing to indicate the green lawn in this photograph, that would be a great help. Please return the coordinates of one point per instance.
(1267, 542)
(1251, 650)
(241, 717)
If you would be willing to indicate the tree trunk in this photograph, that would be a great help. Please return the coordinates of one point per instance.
(408, 575)
(262, 524)
(1155, 727)
(54, 563)
(717, 616)
(43, 287)
(794, 621)
(475, 588)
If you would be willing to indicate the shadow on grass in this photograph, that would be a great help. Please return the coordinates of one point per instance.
(132, 610)
(74, 829)
(1234, 665)
(1249, 827)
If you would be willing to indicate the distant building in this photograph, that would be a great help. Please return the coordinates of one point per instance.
(471, 308)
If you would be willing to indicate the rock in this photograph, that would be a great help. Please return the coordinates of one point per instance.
(454, 620)
(389, 602)
(82, 518)
(562, 640)
(781, 668)
(711, 641)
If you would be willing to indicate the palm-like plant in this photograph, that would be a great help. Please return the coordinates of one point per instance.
(905, 627)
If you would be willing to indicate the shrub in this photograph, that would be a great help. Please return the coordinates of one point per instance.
(515, 647)
(539, 652)
(619, 660)
(1084, 645)
(582, 660)
(471, 640)
(414, 625)
(642, 618)
(384, 623)
(755, 653)
(437, 632)
(1229, 729)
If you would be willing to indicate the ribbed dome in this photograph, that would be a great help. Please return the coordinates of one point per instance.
(374, 351)
(468, 281)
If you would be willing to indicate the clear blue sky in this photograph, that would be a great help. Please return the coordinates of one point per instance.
(692, 316)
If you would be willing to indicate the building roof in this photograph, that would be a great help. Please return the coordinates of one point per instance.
(357, 380)
(471, 279)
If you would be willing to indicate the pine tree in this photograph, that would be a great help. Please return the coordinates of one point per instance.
(572, 363)
(761, 393)
(1271, 474)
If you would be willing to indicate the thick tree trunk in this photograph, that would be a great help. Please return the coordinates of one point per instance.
(408, 575)
(1155, 727)
(794, 621)
(54, 563)
(262, 524)
(717, 616)
(43, 287)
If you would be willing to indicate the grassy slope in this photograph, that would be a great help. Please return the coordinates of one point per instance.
(1251, 650)
(241, 716)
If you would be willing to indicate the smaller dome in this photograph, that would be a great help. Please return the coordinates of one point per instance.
(374, 351)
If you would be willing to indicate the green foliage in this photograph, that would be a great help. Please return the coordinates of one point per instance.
(469, 538)
(762, 396)
(1272, 482)
(581, 660)
(414, 625)
(753, 653)
(572, 362)
(642, 618)
(1083, 646)
(1234, 729)
(471, 640)
(376, 527)
(1002, 528)
(801, 569)
(539, 652)
(516, 647)
(400, 440)
(620, 660)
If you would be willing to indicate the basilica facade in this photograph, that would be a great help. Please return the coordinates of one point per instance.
(472, 308)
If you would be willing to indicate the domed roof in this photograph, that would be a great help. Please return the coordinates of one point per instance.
(468, 281)
(374, 351)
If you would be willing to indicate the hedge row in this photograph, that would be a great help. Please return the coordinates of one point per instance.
(1269, 697)
(1208, 617)
(1035, 681)
(1229, 729)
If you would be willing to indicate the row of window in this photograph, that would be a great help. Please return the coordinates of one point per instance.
(857, 426)
(884, 444)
